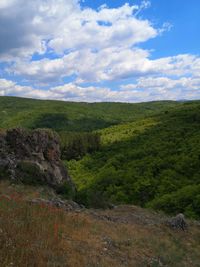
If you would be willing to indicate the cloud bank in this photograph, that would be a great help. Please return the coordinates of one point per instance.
(61, 50)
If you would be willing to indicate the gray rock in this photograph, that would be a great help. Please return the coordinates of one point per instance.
(178, 222)
(32, 157)
(67, 205)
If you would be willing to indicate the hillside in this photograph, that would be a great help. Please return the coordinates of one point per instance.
(148, 154)
(135, 159)
(153, 162)
(69, 116)
(41, 235)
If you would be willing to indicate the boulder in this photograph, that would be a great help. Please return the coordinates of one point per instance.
(178, 222)
(32, 157)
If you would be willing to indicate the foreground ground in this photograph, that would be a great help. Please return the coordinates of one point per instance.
(40, 235)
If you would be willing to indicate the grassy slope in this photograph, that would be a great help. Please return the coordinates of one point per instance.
(147, 160)
(35, 235)
(73, 116)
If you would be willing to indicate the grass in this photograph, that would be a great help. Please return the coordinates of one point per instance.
(36, 235)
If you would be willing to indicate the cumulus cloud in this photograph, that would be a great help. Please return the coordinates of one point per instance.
(44, 42)
(102, 29)
(109, 64)
(36, 25)
(88, 66)
(143, 90)
(30, 24)
(160, 88)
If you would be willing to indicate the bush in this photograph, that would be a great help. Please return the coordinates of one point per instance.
(92, 198)
(30, 173)
(186, 200)
(66, 191)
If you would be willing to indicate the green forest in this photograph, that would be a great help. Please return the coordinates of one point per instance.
(146, 154)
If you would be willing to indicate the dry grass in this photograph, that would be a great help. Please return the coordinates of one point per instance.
(36, 235)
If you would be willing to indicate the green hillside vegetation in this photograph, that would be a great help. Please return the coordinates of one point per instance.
(146, 154)
(75, 117)
(154, 162)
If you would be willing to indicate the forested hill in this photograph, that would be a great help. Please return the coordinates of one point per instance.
(70, 116)
(153, 162)
(146, 154)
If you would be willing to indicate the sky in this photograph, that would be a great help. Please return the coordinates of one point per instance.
(103, 50)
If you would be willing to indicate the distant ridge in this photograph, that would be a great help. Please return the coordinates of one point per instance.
(73, 116)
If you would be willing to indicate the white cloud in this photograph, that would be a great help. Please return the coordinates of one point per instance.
(108, 64)
(166, 88)
(34, 25)
(91, 46)
(102, 29)
(145, 89)
(30, 24)
(94, 45)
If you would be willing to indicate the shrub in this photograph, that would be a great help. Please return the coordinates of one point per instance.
(30, 173)
(185, 200)
(66, 191)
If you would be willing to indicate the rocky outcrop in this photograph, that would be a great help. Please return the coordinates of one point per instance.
(32, 157)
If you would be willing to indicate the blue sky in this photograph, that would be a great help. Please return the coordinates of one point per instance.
(127, 51)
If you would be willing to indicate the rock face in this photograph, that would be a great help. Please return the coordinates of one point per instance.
(32, 157)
